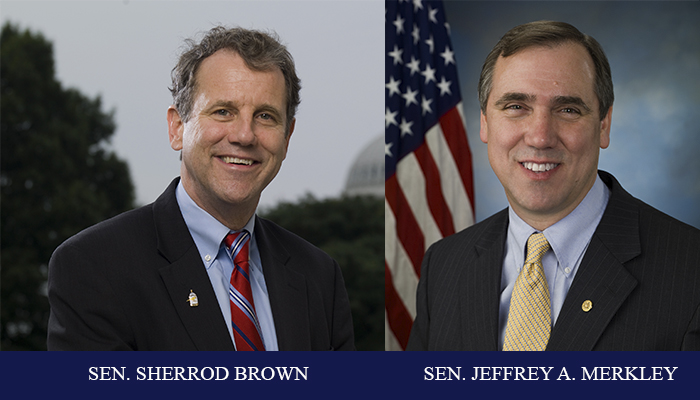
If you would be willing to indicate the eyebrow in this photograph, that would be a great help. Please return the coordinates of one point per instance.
(572, 100)
(530, 98)
(222, 104)
(265, 107)
(511, 96)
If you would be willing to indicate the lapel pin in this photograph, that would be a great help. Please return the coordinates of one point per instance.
(194, 302)
(587, 305)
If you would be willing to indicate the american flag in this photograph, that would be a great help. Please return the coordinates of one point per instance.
(428, 188)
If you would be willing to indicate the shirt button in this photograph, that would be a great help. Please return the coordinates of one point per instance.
(207, 258)
(567, 270)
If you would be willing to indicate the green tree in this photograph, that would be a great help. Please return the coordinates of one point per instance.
(351, 230)
(57, 177)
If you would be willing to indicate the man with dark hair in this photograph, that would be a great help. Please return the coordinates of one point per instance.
(575, 262)
(197, 269)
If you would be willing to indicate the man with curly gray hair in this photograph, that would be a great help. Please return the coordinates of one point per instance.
(197, 269)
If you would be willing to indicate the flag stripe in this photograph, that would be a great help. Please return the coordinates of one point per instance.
(399, 319)
(407, 229)
(390, 341)
(456, 136)
(433, 191)
(403, 276)
(412, 181)
(454, 193)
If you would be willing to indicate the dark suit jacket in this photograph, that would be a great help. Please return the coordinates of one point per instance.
(123, 284)
(641, 271)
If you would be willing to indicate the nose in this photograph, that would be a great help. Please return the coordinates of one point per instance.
(541, 132)
(242, 131)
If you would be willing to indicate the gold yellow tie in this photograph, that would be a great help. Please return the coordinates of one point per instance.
(529, 318)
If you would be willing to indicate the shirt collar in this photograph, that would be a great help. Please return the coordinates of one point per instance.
(207, 232)
(568, 237)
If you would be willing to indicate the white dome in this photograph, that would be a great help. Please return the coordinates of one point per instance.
(366, 175)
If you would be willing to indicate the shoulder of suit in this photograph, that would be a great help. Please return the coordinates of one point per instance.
(132, 224)
(651, 218)
(290, 240)
(492, 225)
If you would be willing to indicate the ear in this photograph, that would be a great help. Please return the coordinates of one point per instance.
(605, 129)
(483, 131)
(292, 123)
(175, 128)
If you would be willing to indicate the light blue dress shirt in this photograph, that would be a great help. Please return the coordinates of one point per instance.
(208, 234)
(568, 238)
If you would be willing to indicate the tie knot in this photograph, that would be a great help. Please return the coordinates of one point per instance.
(537, 245)
(236, 243)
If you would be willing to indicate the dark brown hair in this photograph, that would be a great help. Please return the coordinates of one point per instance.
(549, 33)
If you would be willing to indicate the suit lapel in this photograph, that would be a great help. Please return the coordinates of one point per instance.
(602, 278)
(480, 287)
(186, 272)
(286, 289)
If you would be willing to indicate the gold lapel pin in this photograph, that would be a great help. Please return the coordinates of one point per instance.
(587, 305)
(194, 302)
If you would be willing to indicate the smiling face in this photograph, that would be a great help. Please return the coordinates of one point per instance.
(543, 130)
(234, 142)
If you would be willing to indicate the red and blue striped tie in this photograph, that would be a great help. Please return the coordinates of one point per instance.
(246, 328)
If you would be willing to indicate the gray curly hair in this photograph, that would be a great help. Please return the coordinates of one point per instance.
(261, 51)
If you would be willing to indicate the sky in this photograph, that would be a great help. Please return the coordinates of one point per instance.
(123, 51)
(654, 55)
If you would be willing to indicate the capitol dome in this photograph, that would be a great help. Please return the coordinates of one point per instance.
(366, 176)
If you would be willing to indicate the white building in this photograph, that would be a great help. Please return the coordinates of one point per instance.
(366, 176)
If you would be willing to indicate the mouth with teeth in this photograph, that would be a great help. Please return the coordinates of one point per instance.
(535, 167)
(236, 160)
